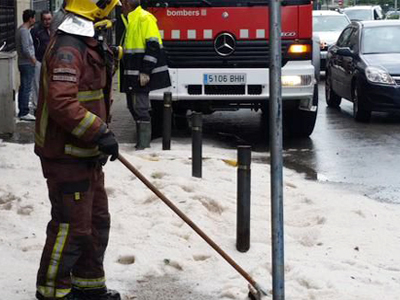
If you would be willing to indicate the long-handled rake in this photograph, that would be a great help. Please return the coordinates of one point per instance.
(255, 290)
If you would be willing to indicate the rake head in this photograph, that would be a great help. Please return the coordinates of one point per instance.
(257, 292)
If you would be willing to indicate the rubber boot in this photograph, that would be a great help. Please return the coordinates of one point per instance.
(70, 296)
(96, 294)
(143, 135)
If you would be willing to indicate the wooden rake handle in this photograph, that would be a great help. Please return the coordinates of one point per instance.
(188, 221)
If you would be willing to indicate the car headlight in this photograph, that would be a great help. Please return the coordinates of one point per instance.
(378, 75)
(325, 44)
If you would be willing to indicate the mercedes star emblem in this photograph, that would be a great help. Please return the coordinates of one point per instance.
(225, 44)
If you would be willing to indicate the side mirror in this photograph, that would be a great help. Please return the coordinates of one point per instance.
(344, 52)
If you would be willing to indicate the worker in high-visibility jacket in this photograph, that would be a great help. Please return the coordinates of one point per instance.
(73, 141)
(143, 67)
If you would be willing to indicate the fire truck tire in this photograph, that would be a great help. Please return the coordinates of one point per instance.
(180, 120)
(360, 113)
(156, 118)
(301, 123)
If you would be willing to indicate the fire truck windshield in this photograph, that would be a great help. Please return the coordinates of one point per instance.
(218, 3)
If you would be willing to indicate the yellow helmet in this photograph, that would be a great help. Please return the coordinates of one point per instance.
(91, 9)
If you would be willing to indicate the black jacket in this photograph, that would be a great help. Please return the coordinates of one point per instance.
(41, 39)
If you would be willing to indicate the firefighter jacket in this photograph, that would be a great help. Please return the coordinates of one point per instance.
(74, 99)
(143, 53)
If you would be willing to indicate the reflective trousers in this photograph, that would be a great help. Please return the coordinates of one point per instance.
(77, 235)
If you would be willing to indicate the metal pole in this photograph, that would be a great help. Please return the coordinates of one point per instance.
(167, 121)
(197, 155)
(278, 265)
(243, 199)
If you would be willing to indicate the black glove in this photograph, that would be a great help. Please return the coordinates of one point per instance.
(108, 145)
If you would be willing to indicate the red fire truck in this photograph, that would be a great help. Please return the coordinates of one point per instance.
(218, 55)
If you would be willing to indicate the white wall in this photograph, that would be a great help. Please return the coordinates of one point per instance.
(21, 6)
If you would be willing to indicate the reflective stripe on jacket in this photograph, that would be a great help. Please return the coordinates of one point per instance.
(143, 53)
(72, 108)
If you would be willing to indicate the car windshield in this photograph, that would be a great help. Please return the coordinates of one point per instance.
(329, 23)
(359, 14)
(392, 15)
(383, 39)
(218, 3)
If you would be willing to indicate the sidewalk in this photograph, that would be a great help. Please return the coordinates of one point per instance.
(122, 124)
(152, 288)
(165, 288)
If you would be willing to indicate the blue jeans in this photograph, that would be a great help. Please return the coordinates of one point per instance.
(27, 76)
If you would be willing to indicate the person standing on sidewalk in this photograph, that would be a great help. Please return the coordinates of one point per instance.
(73, 142)
(26, 63)
(41, 38)
(143, 67)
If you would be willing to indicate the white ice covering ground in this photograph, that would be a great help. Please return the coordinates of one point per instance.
(338, 244)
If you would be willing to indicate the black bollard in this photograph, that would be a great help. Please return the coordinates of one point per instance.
(196, 144)
(167, 121)
(243, 199)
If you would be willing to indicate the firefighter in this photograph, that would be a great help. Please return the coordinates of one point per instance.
(72, 138)
(143, 67)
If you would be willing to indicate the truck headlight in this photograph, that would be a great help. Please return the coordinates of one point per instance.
(379, 75)
(299, 49)
(296, 80)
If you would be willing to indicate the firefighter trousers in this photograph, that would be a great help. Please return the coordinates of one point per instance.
(77, 235)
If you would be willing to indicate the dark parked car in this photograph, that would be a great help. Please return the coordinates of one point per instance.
(364, 67)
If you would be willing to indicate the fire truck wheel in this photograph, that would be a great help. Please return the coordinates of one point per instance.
(180, 120)
(300, 124)
(156, 118)
(265, 110)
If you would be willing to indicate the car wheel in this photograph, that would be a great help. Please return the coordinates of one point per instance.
(301, 123)
(332, 99)
(360, 114)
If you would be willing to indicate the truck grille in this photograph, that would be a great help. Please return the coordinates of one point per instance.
(225, 89)
(201, 54)
(254, 89)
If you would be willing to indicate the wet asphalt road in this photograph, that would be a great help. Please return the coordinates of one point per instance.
(364, 157)
(358, 156)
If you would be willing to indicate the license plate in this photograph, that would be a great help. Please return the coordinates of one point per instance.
(224, 78)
